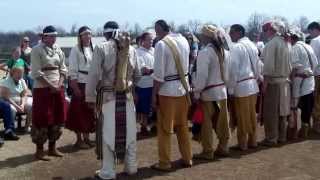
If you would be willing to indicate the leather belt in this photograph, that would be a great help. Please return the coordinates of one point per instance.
(213, 86)
(173, 77)
(49, 68)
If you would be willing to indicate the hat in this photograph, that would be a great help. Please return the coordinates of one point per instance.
(296, 31)
(209, 30)
(49, 31)
(18, 66)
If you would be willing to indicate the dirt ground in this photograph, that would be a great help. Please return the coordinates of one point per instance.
(299, 160)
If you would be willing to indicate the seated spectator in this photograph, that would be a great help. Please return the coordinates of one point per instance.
(14, 90)
(8, 121)
(16, 60)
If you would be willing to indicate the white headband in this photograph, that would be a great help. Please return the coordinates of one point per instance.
(50, 33)
(85, 31)
(110, 30)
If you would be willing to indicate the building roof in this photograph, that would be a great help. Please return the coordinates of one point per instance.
(69, 42)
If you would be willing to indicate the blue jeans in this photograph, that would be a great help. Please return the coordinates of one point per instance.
(6, 115)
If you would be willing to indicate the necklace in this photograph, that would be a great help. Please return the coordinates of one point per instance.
(52, 53)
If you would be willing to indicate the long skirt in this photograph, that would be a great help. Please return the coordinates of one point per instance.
(80, 117)
(49, 108)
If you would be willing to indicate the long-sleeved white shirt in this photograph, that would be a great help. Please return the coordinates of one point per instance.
(208, 74)
(79, 67)
(302, 64)
(103, 70)
(315, 44)
(244, 68)
(164, 65)
(145, 59)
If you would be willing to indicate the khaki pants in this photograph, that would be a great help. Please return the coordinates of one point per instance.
(275, 113)
(246, 120)
(172, 115)
(220, 117)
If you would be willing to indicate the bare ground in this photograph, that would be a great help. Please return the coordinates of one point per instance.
(299, 160)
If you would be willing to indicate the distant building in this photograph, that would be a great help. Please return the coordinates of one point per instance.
(66, 43)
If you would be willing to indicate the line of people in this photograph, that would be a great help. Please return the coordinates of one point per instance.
(229, 81)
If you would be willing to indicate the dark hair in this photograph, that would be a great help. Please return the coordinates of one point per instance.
(82, 29)
(314, 25)
(49, 29)
(138, 39)
(239, 28)
(144, 36)
(294, 37)
(163, 24)
(308, 39)
(111, 25)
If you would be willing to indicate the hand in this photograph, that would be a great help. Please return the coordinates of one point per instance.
(264, 87)
(135, 99)
(76, 92)
(154, 102)
(144, 70)
(55, 89)
(20, 109)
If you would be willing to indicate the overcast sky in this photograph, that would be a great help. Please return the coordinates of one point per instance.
(20, 15)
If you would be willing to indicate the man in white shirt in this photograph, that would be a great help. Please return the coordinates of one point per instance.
(169, 94)
(144, 86)
(314, 30)
(113, 71)
(276, 70)
(210, 89)
(304, 63)
(243, 85)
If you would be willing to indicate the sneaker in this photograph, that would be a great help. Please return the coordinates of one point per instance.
(11, 136)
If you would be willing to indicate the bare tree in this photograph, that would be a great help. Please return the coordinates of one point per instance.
(182, 28)
(194, 26)
(99, 31)
(254, 24)
(125, 26)
(73, 30)
(302, 23)
(172, 26)
(61, 31)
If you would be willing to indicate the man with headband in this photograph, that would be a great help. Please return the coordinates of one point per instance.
(113, 73)
(210, 89)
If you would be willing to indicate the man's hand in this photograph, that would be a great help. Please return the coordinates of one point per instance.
(154, 102)
(20, 109)
(146, 71)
